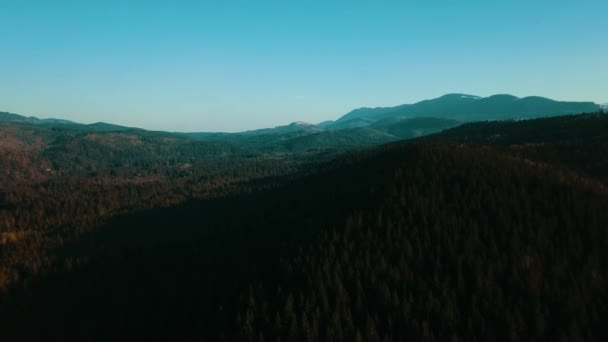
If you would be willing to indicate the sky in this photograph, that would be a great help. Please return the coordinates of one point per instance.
(239, 65)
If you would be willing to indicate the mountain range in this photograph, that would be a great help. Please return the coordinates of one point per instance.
(465, 107)
(453, 107)
(371, 125)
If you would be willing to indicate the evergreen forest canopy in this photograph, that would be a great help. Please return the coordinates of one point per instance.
(385, 225)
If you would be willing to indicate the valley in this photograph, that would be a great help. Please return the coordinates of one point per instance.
(392, 229)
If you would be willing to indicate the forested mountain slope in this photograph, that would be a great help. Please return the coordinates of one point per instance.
(472, 234)
(579, 142)
(465, 107)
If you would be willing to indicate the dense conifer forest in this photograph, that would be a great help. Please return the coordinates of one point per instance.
(487, 231)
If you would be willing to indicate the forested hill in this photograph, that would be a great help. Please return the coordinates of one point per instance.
(578, 142)
(463, 107)
(489, 231)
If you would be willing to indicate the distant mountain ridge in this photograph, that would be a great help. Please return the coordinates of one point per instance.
(464, 107)
(297, 126)
(6, 116)
(453, 109)
(94, 127)
(369, 126)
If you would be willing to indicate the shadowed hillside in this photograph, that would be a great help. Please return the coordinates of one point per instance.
(456, 236)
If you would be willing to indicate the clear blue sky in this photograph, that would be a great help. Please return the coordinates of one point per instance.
(236, 65)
